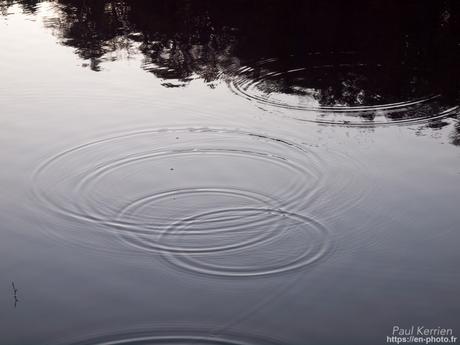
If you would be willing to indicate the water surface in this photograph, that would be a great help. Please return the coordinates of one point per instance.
(186, 172)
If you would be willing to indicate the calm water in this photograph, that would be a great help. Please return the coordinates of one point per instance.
(181, 172)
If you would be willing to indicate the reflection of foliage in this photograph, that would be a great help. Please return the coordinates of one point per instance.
(94, 28)
(29, 6)
(182, 57)
(185, 39)
(441, 128)
(338, 84)
(455, 136)
(176, 43)
(4, 5)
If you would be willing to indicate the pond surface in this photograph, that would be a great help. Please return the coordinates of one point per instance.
(178, 172)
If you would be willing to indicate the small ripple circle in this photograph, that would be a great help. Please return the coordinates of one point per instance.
(286, 242)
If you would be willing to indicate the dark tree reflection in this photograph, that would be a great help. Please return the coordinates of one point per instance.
(455, 136)
(391, 50)
(178, 40)
(93, 28)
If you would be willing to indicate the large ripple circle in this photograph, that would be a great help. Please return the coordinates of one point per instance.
(340, 91)
(137, 184)
(198, 194)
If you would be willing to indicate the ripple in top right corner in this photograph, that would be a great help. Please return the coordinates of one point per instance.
(337, 89)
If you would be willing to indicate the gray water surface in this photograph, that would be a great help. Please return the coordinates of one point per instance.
(173, 174)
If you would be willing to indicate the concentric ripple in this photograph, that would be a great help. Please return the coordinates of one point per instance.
(200, 192)
(153, 234)
(143, 181)
(98, 180)
(285, 242)
(345, 92)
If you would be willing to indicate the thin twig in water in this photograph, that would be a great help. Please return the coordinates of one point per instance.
(15, 294)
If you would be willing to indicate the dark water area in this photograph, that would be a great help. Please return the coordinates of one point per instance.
(238, 173)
